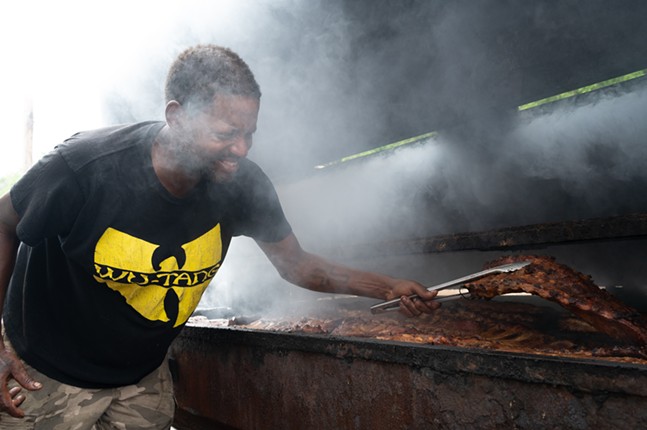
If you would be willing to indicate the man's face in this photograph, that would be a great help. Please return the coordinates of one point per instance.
(216, 138)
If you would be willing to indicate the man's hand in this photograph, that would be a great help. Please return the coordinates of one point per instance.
(424, 303)
(11, 399)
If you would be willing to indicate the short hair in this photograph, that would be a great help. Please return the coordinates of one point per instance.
(201, 72)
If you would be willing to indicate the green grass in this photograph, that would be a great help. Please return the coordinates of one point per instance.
(7, 181)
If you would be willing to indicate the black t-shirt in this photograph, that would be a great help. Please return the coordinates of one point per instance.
(111, 265)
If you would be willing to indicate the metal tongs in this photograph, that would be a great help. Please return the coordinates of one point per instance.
(392, 305)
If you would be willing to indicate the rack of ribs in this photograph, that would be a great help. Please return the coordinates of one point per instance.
(572, 290)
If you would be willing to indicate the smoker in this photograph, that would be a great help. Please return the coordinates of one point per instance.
(236, 378)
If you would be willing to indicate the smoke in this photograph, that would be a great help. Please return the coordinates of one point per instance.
(298, 52)
(572, 161)
(586, 146)
(339, 77)
(489, 166)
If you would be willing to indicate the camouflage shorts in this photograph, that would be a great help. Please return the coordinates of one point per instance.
(148, 404)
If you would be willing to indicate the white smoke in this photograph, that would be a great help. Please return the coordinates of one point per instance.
(334, 76)
(585, 144)
(591, 155)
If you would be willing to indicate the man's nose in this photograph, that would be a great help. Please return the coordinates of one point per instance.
(240, 147)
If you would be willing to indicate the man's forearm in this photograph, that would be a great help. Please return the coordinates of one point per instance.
(318, 274)
(8, 246)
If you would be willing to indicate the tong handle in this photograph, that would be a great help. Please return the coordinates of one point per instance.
(394, 304)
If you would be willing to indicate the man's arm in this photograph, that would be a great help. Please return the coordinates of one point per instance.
(10, 365)
(316, 273)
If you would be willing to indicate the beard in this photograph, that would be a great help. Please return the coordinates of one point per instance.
(219, 169)
(219, 175)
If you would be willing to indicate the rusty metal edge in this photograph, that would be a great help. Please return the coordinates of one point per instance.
(584, 375)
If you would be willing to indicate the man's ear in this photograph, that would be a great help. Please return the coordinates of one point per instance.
(174, 114)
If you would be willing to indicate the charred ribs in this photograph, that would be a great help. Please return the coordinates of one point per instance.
(574, 291)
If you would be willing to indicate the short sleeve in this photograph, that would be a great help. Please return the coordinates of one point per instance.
(47, 199)
(258, 213)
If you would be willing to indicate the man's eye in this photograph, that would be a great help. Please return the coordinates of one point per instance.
(223, 136)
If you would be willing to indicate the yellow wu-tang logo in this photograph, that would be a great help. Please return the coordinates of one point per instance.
(159, 283)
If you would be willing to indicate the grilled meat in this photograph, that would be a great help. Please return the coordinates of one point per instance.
(482, 324)
(598, 326)
(574, 291)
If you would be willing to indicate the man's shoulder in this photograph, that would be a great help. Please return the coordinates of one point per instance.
(249, 171)
(88, 146)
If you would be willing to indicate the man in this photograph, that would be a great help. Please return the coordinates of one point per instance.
(108, 242)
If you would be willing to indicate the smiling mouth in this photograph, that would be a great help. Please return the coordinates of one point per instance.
(228, 166)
